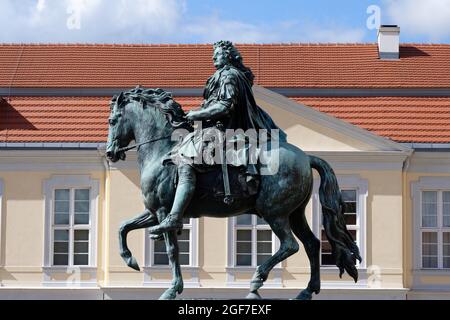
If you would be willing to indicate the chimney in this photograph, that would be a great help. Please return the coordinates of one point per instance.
(389, 42)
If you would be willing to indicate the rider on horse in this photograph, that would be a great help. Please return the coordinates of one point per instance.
(228, 104)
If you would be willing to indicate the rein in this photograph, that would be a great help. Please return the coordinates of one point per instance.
(137, 145)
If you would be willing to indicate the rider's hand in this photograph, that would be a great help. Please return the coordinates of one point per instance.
(191, 116)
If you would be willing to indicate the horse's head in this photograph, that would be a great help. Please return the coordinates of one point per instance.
(155, 113)
(120, 133)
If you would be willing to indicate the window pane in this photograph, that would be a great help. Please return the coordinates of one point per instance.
(183, 246)
(62, 206)
(261, 258)
(244, 260)
(429, 250)
(82, 206)
(328, 260)
(61, 219)
(264, 247)
(161, 259)
(81, 260)
(348, 195)
(429, 262)
(446, 249)
(62, 194)
(81, 218)
(429, 196)
(446, 208)
(264, 235)
(244, 247)
(60, 259)
(350, 219)
(446, 237)
(61, 247)
(61, 235)
(184, 235)
(81, 234)
(159, 246)
(429, 209)
(429, 237)
(244, 220)
(184, 259)
(244, 235)
(81, 247)
(81, 194)
(326, 247)
(446, 262)
(350, 207)
(186, 220)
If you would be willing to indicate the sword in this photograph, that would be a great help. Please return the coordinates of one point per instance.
(228, 199)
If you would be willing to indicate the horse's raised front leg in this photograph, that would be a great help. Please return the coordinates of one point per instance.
(144, 220)
(281, 227)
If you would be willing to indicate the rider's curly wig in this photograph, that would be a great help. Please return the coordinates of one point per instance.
(234, 57)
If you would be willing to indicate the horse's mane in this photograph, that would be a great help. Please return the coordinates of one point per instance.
(159, 98)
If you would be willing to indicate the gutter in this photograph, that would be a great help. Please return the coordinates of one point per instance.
(105, 216)
(406, 164)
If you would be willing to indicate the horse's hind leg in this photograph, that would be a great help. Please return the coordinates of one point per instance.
(312, 247)
(289, 246)
(144, 220)
(172, 253)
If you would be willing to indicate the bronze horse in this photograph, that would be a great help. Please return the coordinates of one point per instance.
(149, 117)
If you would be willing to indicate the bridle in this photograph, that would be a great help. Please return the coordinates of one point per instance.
(137, 145)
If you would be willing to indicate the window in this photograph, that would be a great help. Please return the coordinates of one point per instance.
(71, 214)
(156, 257)
(354, 192)
(184, 244)
(435, 229)
(351, 218)
(254, 241)
(71, 227)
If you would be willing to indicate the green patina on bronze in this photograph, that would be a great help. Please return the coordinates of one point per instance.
(173, 190)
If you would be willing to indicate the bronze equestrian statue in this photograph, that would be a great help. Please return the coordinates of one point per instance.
(174, 186)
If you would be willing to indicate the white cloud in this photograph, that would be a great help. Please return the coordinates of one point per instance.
(147, 21)
(430, 18)
(100, 20)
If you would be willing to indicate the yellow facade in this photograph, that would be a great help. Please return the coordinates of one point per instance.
(387, 234)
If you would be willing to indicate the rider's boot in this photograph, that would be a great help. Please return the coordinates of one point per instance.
(183, 195)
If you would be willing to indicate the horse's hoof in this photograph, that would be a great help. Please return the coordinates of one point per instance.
(304, 295)
(253, 296)
(132, 263)
(169, 294)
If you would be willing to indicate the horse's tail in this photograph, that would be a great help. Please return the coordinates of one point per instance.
(344, 248)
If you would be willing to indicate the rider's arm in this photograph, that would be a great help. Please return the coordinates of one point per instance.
(227, 96)
(214, 111)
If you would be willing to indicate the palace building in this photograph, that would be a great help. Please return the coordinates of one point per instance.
(378, 113)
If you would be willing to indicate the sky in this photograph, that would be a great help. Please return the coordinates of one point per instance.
(207, 21)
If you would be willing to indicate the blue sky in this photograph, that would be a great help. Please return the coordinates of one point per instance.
(206, 21)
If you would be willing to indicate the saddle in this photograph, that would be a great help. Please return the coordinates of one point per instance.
(242, 184)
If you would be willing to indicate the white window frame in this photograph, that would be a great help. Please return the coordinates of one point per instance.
(437, 184)
(232, 268)
(70, 182)
(346, 182)
(192, 268)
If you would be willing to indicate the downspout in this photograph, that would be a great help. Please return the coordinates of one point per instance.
(405, 168)
(105, 227)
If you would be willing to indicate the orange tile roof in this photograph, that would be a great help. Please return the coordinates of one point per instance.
(59, 119)
(402, 119)
(84, 119)
(278, 65)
